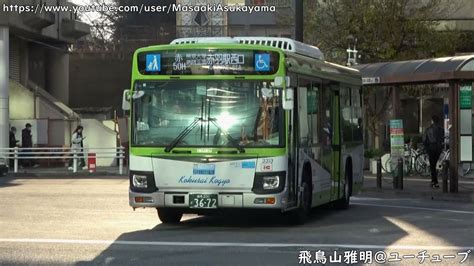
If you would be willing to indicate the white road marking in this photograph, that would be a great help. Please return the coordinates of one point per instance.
(227, 244)
(382, 199)
(413, 208)
(374, 230)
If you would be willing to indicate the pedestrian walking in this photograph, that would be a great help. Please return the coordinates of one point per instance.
(27, 144)
(77, 146)
(13, 144)
(433, 141)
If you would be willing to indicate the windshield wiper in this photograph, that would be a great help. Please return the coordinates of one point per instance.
(183, 134)
(228, 136)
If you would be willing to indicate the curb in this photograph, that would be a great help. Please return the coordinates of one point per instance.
(65, 174)
(462, 180)
(436, 196)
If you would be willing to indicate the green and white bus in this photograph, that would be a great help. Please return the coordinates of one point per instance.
(242, 123)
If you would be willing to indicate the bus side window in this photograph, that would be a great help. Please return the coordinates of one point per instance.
(305, 134)
(326, 129)
(312, 104)
(313, 111)
(357, 132)
(346, 114)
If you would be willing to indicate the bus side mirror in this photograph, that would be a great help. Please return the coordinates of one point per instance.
(280, 82)
(126, 100)
(288, 99)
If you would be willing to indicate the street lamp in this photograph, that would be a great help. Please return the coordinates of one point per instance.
(352, 52)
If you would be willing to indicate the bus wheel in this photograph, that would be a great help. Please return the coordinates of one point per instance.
(299, 216)
(169, 216)
(343, 203)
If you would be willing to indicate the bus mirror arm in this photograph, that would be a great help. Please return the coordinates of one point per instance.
(288, 99)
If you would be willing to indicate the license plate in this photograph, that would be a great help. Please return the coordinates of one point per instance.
(203, 201)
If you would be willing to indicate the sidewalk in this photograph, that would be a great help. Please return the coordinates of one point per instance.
(413, 186)
(64, 172)
(417, 187)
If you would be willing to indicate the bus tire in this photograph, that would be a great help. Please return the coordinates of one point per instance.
(299, 216)
(342, 204)
(169, 215)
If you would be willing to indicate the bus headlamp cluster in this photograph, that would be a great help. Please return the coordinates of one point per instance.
(270, 182)
(140, 181)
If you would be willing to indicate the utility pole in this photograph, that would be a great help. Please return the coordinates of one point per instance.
(299, 20)
(4, 111)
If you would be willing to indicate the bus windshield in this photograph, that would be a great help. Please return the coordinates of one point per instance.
(207, 114)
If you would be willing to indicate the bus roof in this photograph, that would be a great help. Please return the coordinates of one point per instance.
(285, 44)
(296, 52)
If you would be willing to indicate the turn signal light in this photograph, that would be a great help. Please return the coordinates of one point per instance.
(270, 201)
(264, 201)
(143, 200)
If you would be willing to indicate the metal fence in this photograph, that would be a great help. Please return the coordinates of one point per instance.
(61, 153)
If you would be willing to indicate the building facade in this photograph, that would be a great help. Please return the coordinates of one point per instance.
(460, 16)
(191, 23)
(34, 66)
(277, 23)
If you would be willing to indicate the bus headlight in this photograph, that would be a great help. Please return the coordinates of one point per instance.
(271, 182)
(140, 181)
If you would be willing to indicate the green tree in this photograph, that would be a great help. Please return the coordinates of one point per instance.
(382, 30)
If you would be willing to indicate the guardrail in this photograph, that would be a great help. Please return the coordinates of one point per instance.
(18, 154)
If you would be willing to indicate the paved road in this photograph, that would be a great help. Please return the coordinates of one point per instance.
(88, 221)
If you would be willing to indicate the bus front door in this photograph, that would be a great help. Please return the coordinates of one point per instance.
(331, 138)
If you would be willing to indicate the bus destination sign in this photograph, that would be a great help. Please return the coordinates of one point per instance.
(208, 62)
(228, 60)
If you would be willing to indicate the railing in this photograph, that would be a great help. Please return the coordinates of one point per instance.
(18, 154)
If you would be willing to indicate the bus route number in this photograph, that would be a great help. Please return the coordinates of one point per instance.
(179, 66)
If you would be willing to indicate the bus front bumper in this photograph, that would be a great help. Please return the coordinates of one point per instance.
(224, 200)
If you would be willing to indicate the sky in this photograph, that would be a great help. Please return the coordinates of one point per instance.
(85, 17)
(92, 16)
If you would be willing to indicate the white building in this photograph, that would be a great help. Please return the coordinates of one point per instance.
(34, 72)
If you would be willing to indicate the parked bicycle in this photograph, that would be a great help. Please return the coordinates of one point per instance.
(409, 155)
(422, 164)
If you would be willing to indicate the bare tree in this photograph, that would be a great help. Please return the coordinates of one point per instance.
(103, 26)
(113, 30)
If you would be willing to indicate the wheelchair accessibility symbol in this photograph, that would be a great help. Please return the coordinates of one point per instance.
(262, 62)
(153, 62)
